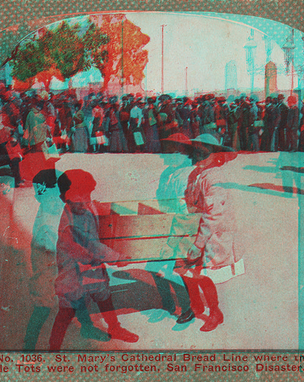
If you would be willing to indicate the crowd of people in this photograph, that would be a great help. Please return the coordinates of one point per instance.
(209, 126)
(98, 123)
(141, 124)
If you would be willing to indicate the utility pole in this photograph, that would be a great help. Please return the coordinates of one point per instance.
(122, 58)
(186, 84)
(292, 64)
(146, 80)
(288, 49)
(162, 59)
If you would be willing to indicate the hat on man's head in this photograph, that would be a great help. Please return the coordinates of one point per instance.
(164, 97)
(140, 101)
(113, 100)
(221, 99)
(151, 100)
(209, 97)
(231, 98)
(209, 139)
(292, 100)
(188, 102)
(253, 98)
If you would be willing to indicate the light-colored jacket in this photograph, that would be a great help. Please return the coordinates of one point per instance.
(207, 196)
(36, 128)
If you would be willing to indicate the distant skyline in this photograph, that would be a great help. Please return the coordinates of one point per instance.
(204, 43)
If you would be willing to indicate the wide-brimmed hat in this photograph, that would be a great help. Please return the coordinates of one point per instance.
(164, 97)
(178, 138)
(209, 139)
(209, 97)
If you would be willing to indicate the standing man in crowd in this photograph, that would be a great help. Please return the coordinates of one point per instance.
(283, 109)
(292, 124)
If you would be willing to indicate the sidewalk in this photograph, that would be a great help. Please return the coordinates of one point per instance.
(260, 307)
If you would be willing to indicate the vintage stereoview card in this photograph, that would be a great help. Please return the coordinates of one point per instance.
(151, 188)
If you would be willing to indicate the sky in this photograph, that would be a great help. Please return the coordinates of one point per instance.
(203, 43)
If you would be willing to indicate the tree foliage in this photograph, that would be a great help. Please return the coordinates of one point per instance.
(28, 61)
(126, 58)
(67, 51)
(111, 43)
(95, 47)
(60, 53)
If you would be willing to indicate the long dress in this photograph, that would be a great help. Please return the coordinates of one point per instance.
(151, 131)
(118, 143)
(35, 129)
(80, 134)
(35, 135)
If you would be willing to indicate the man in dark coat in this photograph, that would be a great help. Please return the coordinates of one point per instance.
(292, 124)
(283, 109)
(243, 122)
(266, 134)
(124, 116)
(275, 121)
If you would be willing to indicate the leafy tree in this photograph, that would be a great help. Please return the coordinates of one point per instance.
(28, 61)
(32, 61)
(126, 58)
(67, 51)
(94, 43)
(135, 58)
(110, 43)
(59, 53)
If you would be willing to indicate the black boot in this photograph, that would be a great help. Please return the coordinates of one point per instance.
(186, 317)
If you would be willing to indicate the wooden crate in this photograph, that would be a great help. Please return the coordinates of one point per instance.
(140, 231)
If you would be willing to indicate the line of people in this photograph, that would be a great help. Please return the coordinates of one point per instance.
(136, 125)
(97, 123)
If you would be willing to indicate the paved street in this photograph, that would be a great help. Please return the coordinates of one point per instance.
(260, 307)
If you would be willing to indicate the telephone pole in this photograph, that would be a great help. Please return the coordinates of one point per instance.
(162, 58)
